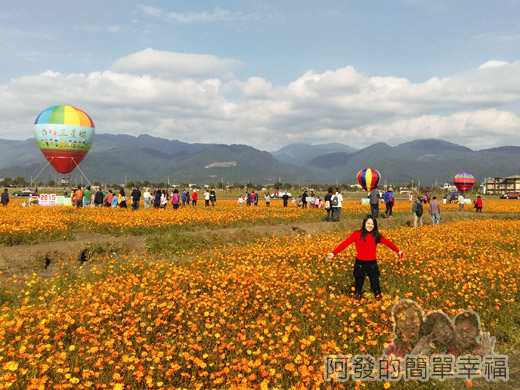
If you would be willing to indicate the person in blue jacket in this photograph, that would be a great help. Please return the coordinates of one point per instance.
(389, 201)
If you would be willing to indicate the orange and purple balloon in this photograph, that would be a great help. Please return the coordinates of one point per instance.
(463, 182)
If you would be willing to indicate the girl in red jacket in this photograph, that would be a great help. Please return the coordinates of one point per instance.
(366, 240)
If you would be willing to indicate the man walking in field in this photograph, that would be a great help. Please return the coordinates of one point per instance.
(374, 202)
(435, 211)
(417, 210)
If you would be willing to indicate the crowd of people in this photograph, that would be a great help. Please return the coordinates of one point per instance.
(158, 198)
(306, 200)
(434, 208)
(331, 202)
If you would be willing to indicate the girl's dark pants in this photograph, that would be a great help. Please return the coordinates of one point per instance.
(389, 206)
(362, 269)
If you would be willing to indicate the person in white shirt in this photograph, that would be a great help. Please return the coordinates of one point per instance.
(335, 201)
(146, 197)
(461, 200)
(206, 198)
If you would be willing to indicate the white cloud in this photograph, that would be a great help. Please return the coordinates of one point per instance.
(217, 15)
(113, 29)
(492, 64)
(175, 65)
(476, 129)
(498, 38)
(194, 98)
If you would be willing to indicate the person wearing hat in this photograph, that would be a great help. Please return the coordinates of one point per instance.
(389, 201)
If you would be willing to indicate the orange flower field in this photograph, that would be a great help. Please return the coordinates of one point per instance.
(20, 225)
(262, 315)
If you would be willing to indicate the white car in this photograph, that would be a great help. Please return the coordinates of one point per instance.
(23, 193)
(280, 194)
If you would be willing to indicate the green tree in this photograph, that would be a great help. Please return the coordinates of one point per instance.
(130, 183)
(20, 182)
(277, 185)
(6, 182)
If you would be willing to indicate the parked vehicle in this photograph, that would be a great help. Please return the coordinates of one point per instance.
(280, 194)
(511, 195)
(24, 193)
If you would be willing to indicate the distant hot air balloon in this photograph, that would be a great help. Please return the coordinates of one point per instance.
(64, 135)
(368, 178)
(463, 182)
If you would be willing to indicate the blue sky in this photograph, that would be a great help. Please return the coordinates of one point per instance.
(268, 73)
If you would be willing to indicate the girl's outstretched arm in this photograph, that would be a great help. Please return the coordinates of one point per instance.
(343, 245)
(391, 245)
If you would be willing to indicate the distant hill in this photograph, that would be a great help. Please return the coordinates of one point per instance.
(116, 158)
(20, 153)
(428, 160)
(17, 153)
(301, 154)
(339, 160)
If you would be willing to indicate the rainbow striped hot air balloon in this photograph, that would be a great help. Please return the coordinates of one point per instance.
(64, 135)
(463, 182)
(368, 178)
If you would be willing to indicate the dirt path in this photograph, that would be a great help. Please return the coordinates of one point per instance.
(22, 261)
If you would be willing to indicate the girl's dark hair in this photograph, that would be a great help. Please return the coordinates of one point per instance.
(375, 233)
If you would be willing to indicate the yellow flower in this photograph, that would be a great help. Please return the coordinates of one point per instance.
(11, 366)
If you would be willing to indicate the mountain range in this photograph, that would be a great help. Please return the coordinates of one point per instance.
(117, 158)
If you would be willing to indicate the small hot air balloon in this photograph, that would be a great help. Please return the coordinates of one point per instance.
(64, 135)
(368, 178)
(463, 182)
